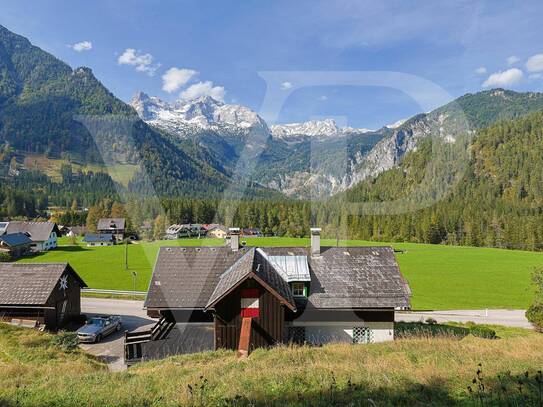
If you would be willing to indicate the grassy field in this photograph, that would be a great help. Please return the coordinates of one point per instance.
(121, 173)
(441, 277)
(408, 372)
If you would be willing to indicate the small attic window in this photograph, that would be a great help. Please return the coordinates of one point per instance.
(298, 289)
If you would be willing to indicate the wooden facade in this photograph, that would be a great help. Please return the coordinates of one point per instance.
(61, 305)
(266, 330)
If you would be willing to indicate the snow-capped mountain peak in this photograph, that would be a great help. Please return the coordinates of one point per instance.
(204, 112)
(326, 128)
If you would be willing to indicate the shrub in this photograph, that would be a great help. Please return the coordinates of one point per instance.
(534, 314)
(431, 321)
(4, 257)
(483, 332)
(67, 341)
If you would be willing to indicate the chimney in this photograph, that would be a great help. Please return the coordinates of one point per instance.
(315, 241)
(234, 238)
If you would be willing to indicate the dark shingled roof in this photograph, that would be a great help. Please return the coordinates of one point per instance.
(352, 277)
(38, 231)
(15, 239)
(185, 277)
(253, 263)
(357, 277)
(109, 223)
(31, 284)
(91, 237)
(341, 277)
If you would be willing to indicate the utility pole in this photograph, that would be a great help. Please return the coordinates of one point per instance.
(134, 275)
(337, 231)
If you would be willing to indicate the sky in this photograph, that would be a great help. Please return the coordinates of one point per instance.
(403, 57)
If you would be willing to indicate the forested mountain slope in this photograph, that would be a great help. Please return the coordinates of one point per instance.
(46, 108)
(498, 201)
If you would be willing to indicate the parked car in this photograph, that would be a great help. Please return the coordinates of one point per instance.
(97, 328)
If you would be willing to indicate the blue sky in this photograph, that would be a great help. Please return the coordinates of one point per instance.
(219, 48)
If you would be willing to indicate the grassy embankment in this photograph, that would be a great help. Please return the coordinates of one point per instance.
(441, 277)
(420, 371)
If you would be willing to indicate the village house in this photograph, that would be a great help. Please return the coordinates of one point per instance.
(217, 231)
(251, 232)
(43, 234)
(93, 239)
(241, 298)
(178, 231)
(112, 226)
(39, 295)
(15, 244)
(77, 231)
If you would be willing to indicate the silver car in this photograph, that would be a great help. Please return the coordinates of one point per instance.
(97, 328)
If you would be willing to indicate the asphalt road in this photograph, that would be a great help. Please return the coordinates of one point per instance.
(134, 318)
(505, 317)
(111, 348)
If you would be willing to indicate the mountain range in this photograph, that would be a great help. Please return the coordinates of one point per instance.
(204, 147)
(317, 158)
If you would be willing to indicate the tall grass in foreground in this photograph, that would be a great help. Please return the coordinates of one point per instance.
(429, 371)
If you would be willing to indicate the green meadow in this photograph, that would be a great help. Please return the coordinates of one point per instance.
(441, 277)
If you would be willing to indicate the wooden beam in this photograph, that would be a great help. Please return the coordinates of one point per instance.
(245, 337)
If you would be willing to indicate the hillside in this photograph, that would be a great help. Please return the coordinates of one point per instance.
(49, 109)
(407, 372)
(497, 201)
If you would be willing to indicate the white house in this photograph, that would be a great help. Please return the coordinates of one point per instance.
(44, 235)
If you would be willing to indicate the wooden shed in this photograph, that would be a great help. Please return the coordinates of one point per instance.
(46, 295)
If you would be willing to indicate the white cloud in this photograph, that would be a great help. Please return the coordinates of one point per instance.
(142, 62)
(203, 89)
(535, 63)
(323, 98)
(481, 70)
(505, 78)
(81, 46)
(286, 85)
(175, 78)
(536, 76)
(512, 60)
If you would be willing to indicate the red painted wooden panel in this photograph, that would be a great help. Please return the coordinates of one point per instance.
(250, 313)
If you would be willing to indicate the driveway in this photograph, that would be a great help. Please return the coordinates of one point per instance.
(134, 317)
(505, 317)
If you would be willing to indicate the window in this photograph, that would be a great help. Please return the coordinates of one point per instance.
(298, 289)
(362, 334)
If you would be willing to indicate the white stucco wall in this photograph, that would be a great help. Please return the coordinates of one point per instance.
(320, 333)
(48, 244)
